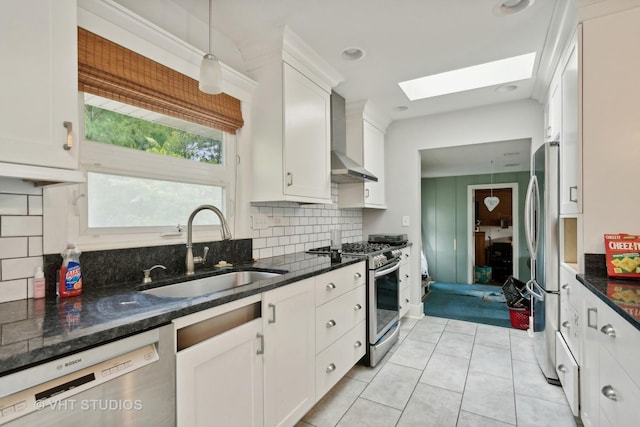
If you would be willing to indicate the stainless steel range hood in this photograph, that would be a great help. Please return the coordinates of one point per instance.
(343, 168)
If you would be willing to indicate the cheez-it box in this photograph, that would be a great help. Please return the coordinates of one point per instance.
(623, 255)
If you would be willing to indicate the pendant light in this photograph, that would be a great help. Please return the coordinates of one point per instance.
(491, 201)
(210, 70)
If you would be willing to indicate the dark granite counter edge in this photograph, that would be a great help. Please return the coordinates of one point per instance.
(103, 332)
(598, 286)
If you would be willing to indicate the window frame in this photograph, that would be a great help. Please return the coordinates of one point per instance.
(110, 159)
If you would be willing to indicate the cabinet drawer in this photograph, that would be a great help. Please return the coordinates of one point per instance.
(621, 406)
(571, 327)
(336, 317)
(621, 339)
(571, 291)
(337, 282)
(568, 374)
(335, 361)
(404, 300)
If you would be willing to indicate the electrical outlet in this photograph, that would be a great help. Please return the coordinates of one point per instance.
(276, 220)
(405, 221)
(259, 221)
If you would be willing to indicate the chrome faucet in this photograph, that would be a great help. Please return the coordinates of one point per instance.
(226, 235)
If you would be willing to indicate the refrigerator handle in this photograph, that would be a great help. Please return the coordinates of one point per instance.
(531, 229)
(534, 289)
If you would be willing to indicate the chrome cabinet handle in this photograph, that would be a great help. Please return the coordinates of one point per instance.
(366, 193)
(589, 311)
(357, 344)
(562, 368)
(273, 313)
(566, 324)
(406, 300)
(608, 392)
(261, 349)
(608, 330)
(331, 286)
(289, 179)
(331, 323)
(357, 276)
(573, 198)
(68, 145)
(406, 276)
(566, 286)
(357, 307)
(331, 368)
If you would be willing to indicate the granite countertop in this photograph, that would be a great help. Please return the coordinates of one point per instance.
(34, 331)
(623, 296)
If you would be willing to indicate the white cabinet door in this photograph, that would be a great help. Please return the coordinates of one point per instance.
(219, 382)
(554, 119)
(373, 153)
(569, 150)
(589, 367)
(38, 82)
(289, 334)
(307, 135)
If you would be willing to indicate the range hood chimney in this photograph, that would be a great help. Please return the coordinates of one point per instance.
(343, 168)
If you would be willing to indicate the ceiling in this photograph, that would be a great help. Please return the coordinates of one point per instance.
(402, 40)
(477, 159)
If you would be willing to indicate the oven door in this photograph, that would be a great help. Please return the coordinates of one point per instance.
(384, 306)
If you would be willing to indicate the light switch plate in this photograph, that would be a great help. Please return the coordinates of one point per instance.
(259, 221)
(405, 221)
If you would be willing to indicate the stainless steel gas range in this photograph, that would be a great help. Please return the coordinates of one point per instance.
(383, 305)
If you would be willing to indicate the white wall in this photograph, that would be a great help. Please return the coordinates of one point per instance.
(404, 140)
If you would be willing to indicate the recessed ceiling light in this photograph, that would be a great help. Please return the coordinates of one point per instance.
(352, 53)
(400, 108)
(509, 7)
(474, 77)
(506, 88)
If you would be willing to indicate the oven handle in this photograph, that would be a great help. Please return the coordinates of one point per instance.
(394, 267)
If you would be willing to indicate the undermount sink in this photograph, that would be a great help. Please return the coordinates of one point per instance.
(207, 285)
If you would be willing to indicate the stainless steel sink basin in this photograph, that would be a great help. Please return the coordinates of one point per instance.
(207, 285)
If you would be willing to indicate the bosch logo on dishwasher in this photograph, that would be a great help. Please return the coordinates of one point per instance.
(69, 363)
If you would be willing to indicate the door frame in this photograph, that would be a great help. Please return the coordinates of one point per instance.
(471, 225)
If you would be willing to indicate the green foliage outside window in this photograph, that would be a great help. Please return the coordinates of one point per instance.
(113, 128)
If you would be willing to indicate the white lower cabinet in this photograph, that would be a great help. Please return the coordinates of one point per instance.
(256, 361)
(568, 374)
(219, 381)
(289, 357)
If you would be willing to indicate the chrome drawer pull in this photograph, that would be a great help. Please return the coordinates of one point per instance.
(331, 368)
(331, 323)
(609, 393)
(68, 145)
(562, 369)
(566, 324)
(273, 313)
(358, 344)
(357, 275)
(261, 349)
(358, 307)
(331, 286)
(566, 286)
(589, 311)
(608, 330)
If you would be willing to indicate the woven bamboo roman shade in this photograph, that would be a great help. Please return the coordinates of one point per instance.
(109, 70)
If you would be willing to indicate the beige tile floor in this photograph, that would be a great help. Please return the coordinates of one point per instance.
(445, 373)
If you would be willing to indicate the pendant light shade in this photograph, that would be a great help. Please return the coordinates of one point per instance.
(210, 70)
(210, 75)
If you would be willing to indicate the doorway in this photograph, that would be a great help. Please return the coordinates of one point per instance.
(493, 225)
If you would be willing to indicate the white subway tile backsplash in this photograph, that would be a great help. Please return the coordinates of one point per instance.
(13, 204)
(35, 246)
(13, 247)
(19, 268)
(13, 290)
(303, 227)
(35, 205)
(20, 226)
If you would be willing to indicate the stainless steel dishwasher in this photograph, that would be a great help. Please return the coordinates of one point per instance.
(128, 382)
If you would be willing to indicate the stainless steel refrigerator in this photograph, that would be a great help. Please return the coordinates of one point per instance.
(541, 230)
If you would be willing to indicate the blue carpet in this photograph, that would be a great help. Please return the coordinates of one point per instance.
(475, 303)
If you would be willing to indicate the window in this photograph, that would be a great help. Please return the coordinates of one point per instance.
(146, 172)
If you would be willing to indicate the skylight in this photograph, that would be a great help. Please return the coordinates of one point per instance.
(474, 77)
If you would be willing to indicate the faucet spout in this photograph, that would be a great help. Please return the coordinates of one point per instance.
(226, 234)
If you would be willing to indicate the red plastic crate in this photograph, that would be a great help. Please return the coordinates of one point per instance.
(519, 318)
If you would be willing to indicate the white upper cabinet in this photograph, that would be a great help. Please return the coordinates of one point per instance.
(365, 144)
(39, 85)
(570, 151)
(291, 127)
